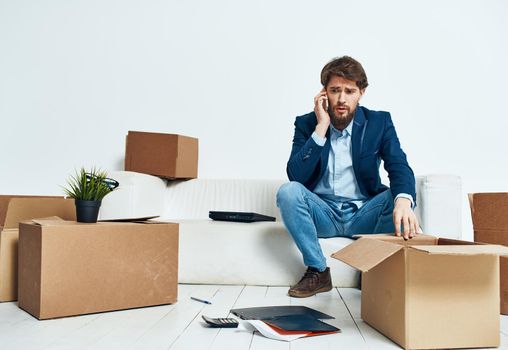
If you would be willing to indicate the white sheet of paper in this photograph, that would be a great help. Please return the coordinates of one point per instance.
(266, 330)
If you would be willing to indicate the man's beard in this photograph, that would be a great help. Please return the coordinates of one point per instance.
(340, 122)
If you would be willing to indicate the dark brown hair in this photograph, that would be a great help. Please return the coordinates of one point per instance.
(346, 67)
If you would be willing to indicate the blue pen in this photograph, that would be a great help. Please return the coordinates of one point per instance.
(201, 300)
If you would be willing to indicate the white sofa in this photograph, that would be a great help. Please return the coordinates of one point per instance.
(262, 253)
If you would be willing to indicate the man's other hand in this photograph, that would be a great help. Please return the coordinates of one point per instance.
(321, 110)
(403, 214)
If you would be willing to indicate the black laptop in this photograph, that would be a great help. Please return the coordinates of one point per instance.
(239, 216)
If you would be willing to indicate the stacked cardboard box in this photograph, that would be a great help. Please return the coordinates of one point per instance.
(428, 292)
(489, 212)
(68, 268)
(14, 209)
(165, 155)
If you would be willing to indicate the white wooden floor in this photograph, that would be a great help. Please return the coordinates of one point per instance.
(180, 326)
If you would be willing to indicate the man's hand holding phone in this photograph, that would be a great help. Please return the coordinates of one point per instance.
(321, 110)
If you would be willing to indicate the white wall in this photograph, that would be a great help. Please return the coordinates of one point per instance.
(76, 75)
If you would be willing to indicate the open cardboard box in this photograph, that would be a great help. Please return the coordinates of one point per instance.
(68, 268)
(489, 212)
(14, 209)
(169, 156)
(428, 292)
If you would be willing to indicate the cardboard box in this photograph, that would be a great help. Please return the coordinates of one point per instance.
(429, 293)
(69, 268)
(14, 209)
(164, 155)
(489, 212)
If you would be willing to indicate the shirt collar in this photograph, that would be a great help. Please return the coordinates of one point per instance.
(347, 130)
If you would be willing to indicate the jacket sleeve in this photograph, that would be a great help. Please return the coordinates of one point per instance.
(402, 179)
(304, 161)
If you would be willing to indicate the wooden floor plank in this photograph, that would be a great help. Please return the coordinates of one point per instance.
(179, 326)
(352, 298)
(252, 296)
(504, 341)
(115, 329)
(259, 342)
(31, 333)
(118, 331)
(332, 304)
(121, 329)
(278, 292)
(198, 335)
(504, 324)
(238, 339)
(373, 338)
(167, 329)
(330, 301)
(10, 315)
(274, 296)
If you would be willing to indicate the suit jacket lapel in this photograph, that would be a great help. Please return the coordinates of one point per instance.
(324, 154)
(357, 134)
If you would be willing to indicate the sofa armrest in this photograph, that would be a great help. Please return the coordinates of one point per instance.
(439, 205)
(138, 195)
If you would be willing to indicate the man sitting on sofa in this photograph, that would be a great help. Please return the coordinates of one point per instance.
(335, 188)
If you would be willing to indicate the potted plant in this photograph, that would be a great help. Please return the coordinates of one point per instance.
(88, 189)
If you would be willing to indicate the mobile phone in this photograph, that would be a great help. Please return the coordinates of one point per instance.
(325, 103)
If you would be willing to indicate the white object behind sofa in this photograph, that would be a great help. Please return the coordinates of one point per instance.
(256, 253)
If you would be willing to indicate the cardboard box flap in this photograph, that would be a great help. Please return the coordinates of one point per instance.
(421, 238)
(57, 221)
(26, 208)
(365, 253)
(488, 210)
(492, 249)
(6, 199)
(4, 202)
(52, 220)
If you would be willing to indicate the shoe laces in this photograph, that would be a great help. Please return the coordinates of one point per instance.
(310, 274)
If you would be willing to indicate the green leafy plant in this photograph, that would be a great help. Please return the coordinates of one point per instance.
(89, 186)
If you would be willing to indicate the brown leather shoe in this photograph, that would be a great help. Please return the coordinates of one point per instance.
(312, 282)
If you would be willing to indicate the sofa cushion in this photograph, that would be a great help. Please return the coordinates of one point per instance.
(259, 253)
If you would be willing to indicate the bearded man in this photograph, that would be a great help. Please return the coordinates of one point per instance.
(335, 188)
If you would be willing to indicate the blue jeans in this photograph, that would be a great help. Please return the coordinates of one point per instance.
(308, 216)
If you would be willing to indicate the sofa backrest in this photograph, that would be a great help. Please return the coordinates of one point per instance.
(193, 199)
(439, 199)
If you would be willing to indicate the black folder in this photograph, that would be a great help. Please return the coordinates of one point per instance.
(304, 323)
(270, 312)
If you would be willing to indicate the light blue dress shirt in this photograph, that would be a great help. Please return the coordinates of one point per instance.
(339, 181)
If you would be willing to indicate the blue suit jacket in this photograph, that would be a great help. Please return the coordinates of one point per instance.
(373, 138)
